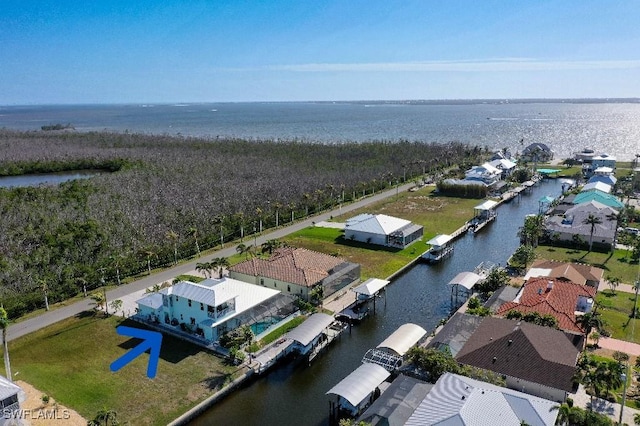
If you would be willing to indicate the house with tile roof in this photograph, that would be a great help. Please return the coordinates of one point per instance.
(297, 271)
(212, 307)
(382, 230)
(579, 273)
(560, 298)
(572, 222)
(460, 400)
(536, 360)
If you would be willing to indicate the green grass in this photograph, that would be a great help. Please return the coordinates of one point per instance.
(70, 361)
(438, 215)
(614, 265)
(616, 310)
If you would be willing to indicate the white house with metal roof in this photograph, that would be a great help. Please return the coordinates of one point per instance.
(460, 400)
(209, 308)
(382, 230)
(10, 397)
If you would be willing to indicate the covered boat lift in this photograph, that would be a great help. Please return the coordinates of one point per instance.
(390, 352)
(483, 214)
(465, 280)
(439, 248)
(364, 292)
(312, 335)
(357, 391)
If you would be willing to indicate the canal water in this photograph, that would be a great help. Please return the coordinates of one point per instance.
(45, 178)
(295, 394)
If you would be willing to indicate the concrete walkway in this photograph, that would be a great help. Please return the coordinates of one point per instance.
(28, 326)
(619, 345)
(583, 400)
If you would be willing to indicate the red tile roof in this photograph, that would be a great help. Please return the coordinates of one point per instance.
(292, 265)
(560, 301)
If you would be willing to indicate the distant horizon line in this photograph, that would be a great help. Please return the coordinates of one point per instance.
(443, 101)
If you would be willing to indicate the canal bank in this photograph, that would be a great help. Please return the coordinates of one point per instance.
(295, 394)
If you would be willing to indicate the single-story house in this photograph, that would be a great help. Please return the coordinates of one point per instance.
(382, 230)
(537, 152)
(297, 271)
(597, 186)
(536, 360)
(460, 400)
(562, 299)
(563, 228)
(213, 307)
(579, 273)
(10, 397)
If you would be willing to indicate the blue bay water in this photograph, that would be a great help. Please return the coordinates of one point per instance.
(567, 127)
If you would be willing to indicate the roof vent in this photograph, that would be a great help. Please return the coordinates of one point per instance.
(463, 397)
(510, 342)
(549, 285)
(539, 291)
(494, 359)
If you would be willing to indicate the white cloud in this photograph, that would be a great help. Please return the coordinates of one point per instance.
(503, 64)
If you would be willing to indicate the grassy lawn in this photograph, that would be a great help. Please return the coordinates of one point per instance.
(70, 361)
(616, 310)
(614, 265)
(438, 215)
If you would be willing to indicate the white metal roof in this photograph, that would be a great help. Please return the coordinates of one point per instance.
(487, 205)
(8, 389)
(440, 240)
(403, 338)
(466, 279)
(459, 400)
(603, 170)
(310, 328)
(537, 272)
(360, 383)
(375, 224)
(371, 286)
(597, 185)
(153, 301)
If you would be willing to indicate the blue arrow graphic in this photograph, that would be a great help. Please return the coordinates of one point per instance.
(151, 341)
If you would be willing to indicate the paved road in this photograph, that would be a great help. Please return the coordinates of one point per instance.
(28, 326)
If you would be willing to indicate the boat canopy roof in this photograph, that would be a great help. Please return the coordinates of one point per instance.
(440, 240)
(312, 327)
(360, 383)
(487, 205)
(466, 279)
(371, 286)
(403, 338)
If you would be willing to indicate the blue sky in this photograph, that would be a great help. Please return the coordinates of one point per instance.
(144, 51)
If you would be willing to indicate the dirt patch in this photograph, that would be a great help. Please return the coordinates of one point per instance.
(36, 413)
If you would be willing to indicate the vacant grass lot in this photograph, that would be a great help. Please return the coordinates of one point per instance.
(438, 215)
(616, 313)
(70, 361)
(614, 265)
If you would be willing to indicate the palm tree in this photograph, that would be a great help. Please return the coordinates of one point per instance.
(593, 221)
(149, 253)
(636, 419)
(204, 267)
(109, 417)
(247, 250)
(45, 290)
(564, 412)
(532, 230)
(611, 218)
(277, 205)
(270, 245)
(221, 263)
(4, 324)
(172, 236)
(589, 321)
(193, 231)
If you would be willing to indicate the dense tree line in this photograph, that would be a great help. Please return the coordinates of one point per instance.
(170, 197)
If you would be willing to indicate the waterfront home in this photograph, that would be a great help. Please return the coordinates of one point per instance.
(382, 230)
(562, 299)
(460, 400)
(213, 307)
(505, 166)
(608, 179)
(599, 196)
(579, 273)
(358, 390)
(585, 156)
(485, 173)
(297, 271)
(572, 224)
(10, 397)
(603, 160)
(536, 360)
(597, 186)
(455, 332)
(537, 152)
